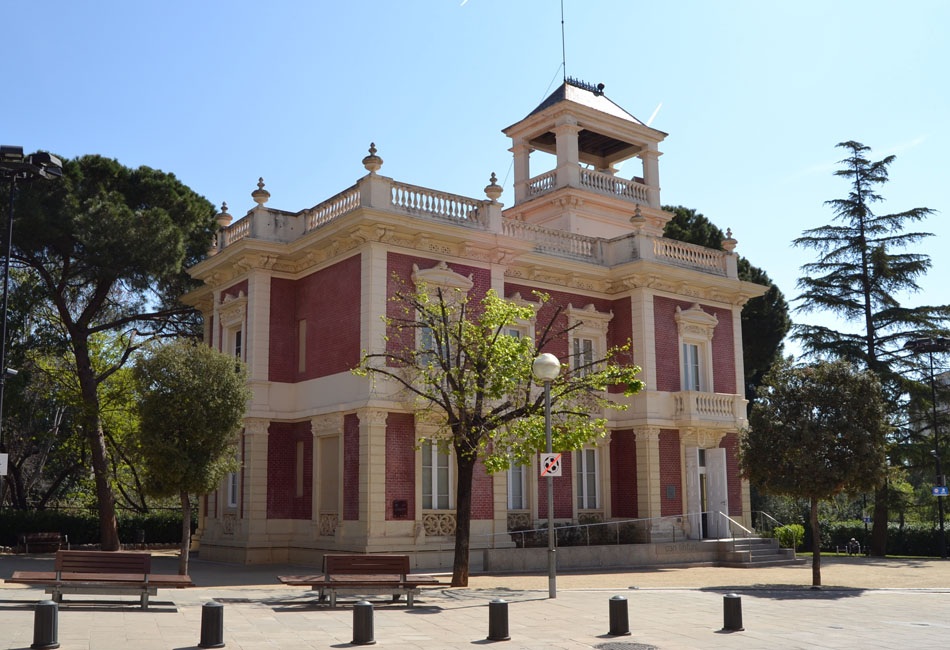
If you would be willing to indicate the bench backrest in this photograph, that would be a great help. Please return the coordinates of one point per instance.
(103, 562)
(366, 564)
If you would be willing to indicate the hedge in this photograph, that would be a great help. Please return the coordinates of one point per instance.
(920, 539)
(82, 526)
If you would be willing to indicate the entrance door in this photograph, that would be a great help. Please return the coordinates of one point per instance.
(717, 493)
(694, 500)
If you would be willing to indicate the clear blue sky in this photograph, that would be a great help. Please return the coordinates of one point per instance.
(754, 95)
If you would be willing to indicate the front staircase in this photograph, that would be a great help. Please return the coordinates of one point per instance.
(754, 552)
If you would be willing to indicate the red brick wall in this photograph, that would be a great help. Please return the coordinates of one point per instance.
(329, 300)
(400, 462)
(283, 333)
(623, 473)
(667, 346)
(670, 473)
(563, 490)
(282, 499)
(351, 467)
(483, 496)
(730, 443)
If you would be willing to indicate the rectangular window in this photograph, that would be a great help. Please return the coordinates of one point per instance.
(691, 367)
(583, 357)
(238, 344)
(232, 483)
(516, 491)
(436, 478)
(586, 475)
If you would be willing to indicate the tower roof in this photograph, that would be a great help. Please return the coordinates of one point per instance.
(585, 94)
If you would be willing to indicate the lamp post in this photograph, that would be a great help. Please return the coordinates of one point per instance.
(930, 345)
(546, 367)
(15, 166)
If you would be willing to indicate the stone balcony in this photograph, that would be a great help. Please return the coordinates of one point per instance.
(387, 195)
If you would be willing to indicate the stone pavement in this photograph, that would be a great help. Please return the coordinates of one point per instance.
(866, 603)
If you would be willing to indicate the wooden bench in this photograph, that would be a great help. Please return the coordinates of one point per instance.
(364, 574)
(42, 542)
(101, 572)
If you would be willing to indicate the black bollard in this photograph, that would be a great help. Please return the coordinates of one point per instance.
(498, 620)
(732, 613)
(212, 625)
(363, 623)
(619, 621)
(45, 622)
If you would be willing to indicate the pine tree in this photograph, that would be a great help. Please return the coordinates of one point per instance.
(862, 272)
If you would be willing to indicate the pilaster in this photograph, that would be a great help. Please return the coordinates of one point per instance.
(522, 155)
(373, 470)
(258, 335)
(648, 472)
(373, 274)
(254, 486)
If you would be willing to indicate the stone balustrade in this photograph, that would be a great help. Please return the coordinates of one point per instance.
(614, 186)
(695, 405)
(386, 194)
(543, 183)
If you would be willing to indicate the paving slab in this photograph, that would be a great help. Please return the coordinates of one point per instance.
(865, 603)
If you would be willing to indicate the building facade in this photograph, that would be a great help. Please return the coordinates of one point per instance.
(333, 462)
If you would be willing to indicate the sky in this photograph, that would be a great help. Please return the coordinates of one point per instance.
(754, 96)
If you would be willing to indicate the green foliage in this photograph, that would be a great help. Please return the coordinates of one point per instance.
(790, 535)
(825, 421)
(82, 526)
(861, 272)
(191, 403)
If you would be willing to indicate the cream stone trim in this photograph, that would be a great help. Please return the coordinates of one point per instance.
(588, 320)
(442, 276)
(233, 310)
(330, 424)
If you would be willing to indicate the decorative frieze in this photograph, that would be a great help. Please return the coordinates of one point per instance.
(439, 523)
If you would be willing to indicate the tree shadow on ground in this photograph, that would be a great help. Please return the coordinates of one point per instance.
(788, 592)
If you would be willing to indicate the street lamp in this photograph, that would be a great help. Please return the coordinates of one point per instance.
(547, 367)
(15, 166)
(930, 345)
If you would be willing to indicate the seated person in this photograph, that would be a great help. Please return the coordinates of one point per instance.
(854, 547)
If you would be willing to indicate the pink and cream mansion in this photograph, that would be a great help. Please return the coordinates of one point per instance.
(331, 462)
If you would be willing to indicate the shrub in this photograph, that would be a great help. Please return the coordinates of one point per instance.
(790, 536)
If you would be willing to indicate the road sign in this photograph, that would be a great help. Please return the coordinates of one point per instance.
(941, 491)
(550, 464)
(3, 464)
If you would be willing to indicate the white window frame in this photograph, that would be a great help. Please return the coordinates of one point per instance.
(695, 330)
(583, 472)
(517, 478)
(431, 457)
(233, 485)
(587, 324)
(232, 315)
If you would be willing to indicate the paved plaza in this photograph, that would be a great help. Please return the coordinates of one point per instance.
(866, 603)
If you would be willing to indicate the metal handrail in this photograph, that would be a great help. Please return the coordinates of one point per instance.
(674, 529)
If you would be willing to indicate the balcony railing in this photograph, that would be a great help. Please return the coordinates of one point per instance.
(614, 186)
(388, 195)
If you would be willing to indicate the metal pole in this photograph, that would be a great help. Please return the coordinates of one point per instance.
(3, 331)
(552, 550)
(933, 403)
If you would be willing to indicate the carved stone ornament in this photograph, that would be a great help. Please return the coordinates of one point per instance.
(233, 310)
(588, 318)
(695, 322)
(441, 275)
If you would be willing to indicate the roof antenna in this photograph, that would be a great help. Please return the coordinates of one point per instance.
(563, 50)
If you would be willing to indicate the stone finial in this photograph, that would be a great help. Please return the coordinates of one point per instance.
(372, 162)
(493, 190)
(260, 195)
(223, 218)
(729, 243)
(638, 219)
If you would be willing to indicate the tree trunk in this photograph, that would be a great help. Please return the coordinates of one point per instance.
(879, 525)
(465, 466)
(92, 428)
(815, 544)
(185, 533)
